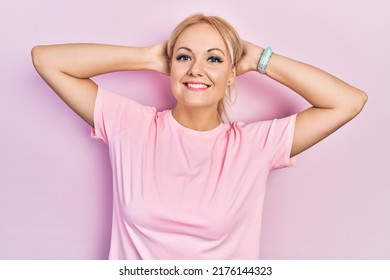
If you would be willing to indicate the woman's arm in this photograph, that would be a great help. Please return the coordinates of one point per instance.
(67, 69)
(333, 101)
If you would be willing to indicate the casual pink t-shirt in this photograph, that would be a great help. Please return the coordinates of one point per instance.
(186, 194)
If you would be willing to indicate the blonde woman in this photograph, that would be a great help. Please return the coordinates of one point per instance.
(187, 183)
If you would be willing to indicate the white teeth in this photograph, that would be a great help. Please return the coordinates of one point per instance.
(197, 85)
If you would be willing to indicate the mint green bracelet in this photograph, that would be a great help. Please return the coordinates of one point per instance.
(264, 59)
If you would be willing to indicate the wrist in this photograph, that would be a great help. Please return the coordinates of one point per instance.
(264, 60)
(133, 58)
(255, 58)
(250, 58)
(149, 57)
(157, 58)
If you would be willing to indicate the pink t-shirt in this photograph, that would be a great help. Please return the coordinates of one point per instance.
(185, 194)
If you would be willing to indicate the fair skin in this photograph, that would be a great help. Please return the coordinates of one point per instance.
(200, 72)
(68, 68)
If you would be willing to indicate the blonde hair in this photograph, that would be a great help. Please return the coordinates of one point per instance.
(232, 41)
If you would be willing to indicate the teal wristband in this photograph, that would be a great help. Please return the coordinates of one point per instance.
(264, 59)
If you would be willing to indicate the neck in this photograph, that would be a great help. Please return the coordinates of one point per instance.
(201, 119)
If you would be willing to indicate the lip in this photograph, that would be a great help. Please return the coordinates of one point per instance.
(186, 84)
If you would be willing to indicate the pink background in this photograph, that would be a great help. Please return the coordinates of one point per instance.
(55, 182)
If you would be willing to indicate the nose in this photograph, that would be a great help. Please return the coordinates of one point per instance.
(196, 69)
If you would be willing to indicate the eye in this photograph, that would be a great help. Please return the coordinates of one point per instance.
(183, 57)
(214, 59)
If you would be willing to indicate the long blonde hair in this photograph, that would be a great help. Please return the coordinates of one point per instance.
(231, 39)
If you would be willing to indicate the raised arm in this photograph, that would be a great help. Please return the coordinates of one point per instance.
(67, 69)
(333, 101)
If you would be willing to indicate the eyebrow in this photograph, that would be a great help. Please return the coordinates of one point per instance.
(209, 50)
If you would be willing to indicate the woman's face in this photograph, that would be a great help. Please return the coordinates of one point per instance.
(200, 67)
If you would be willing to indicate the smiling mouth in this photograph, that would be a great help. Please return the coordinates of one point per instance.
(196, 86)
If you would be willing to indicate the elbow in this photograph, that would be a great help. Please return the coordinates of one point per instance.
(358, 103)
(362, 98)
(37, 56)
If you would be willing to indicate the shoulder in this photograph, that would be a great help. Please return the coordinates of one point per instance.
(263, 124)
(264, 129)
(115, 113)
(122, 106)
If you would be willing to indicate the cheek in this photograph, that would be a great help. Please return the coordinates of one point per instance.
(177, 67)
(177, 74)
(174, 75)
(220, 78)
(174, 86)
(175, 79)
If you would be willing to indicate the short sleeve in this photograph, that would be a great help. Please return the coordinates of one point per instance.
(279, 142)
(274, 139)
(114, 113)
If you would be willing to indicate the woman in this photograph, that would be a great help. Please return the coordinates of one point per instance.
(186, 184)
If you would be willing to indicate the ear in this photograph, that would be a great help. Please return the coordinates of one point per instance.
(232, 76)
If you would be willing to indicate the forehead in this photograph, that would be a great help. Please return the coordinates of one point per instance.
(200, 36)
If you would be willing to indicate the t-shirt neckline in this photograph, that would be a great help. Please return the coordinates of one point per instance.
(193, 131)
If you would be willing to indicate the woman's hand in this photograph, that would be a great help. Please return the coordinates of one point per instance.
(161, 61)
(249, 59)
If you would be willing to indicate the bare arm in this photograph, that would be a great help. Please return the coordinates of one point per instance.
(67, 69)
(334, 102)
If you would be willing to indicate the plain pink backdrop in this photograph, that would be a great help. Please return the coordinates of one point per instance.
(55, 182)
